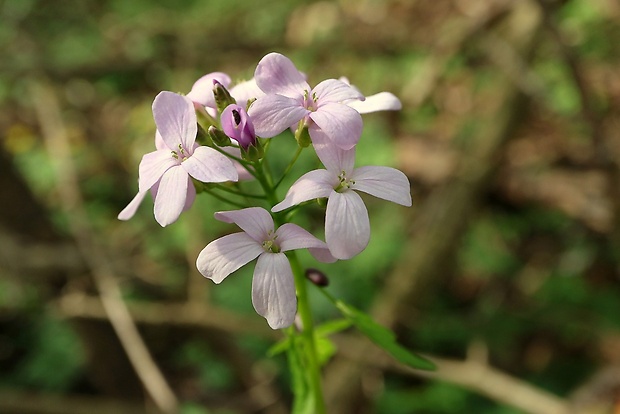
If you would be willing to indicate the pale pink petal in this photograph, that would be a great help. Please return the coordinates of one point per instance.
(202, 90)
(313, 184)
(332, 90)
(291, 237)
(131, 208)
(245, 91)
(175, 119)
(209, 166)
(276, 73)
(322, 254)
(347, 228)
(383, 182)
(171, 196)
(191, 194)
(273, 290)
(255, 221)
(152, 166)
(383, 101)
(223, 256)
(159, 142)
(272, 114)
(342, 124)
(334, 158)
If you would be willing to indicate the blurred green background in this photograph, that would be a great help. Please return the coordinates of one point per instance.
(509, 133)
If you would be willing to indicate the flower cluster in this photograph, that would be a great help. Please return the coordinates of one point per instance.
(217, 135)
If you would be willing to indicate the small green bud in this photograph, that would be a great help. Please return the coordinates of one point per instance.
(253, 152)
(302, 135)
(202, 137)
(222, 96)
(322, 201)
(219, 137)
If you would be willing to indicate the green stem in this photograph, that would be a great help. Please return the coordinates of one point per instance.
(307, 334)
(289, 166)
(239, 193)
(224, 199)
(312, 368)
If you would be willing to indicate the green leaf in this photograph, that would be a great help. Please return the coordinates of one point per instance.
(279, 347)
(331, 327)
(383, 337)
(325, 349)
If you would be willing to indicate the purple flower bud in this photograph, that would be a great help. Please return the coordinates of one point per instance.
(317, 277)
(237, 124)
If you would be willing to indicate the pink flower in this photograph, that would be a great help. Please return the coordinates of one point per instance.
(347, 227)
(273, 285)
(171, 167)
(130, 210)
(289, 99)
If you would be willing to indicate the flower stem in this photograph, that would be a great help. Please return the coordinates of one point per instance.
(313, 369)
(289, 166)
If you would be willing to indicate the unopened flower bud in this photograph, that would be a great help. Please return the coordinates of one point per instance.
(253, 153)
(218, 137)
(302, 135)
(317, 277)
(202, 136)
(222, 96)
(237, 124)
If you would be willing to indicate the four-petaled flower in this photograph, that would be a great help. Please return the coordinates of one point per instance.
(289, 99)
(347, 227)
(273, 285)
(172, 166)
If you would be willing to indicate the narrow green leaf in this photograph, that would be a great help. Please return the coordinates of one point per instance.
(383, 337)
(331, 327)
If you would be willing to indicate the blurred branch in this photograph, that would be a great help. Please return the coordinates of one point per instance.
(32, 403)
(439, 224)
(473, 374)
(456, 34)
(191, 315)
(57, 144)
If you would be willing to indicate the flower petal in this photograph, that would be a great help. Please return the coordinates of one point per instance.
(255, 221)
(272, 114)
(347, 228)
(171, 196)
(275, 73)
(223, 256)
(273, 290)
(191, 194)
(209, 166)
(152, 166)
(383, 182)
(175, 119)
(332, 90)
(202, 90)
(334, 158)
(313, 184)
(291, 237)
(245, 91)
(342, 124)
(131, 208)
(383, 101)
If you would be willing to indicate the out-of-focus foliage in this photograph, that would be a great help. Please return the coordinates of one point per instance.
(534, 277)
